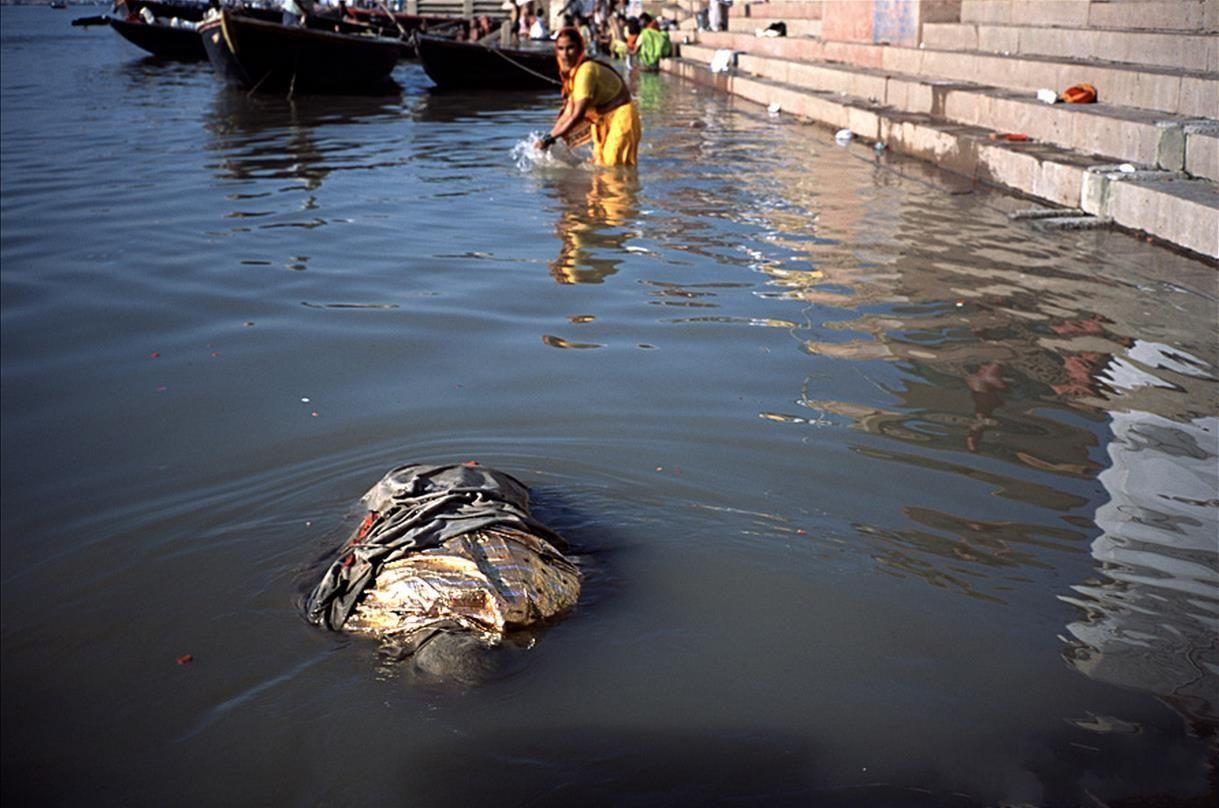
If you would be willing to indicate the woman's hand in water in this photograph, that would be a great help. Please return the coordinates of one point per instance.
(546, 142)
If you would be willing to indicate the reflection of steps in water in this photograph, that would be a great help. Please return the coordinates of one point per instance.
(1152, 624)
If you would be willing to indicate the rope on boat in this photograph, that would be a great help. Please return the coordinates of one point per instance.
(503, 55)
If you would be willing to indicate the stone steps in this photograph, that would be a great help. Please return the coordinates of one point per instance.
(1103, 131)
(1181, 15)
(796, 27)
(781, 10)
(1165, 204)
(1176, 92)
(1159, 48)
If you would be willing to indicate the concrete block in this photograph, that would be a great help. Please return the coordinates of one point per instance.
(1181, 212)
(697, 53)
(795, 28)
(1145, 89)
(1170, 151)
(934, 11)
(1020, 74)
(926, 142)
(1185, 212)
(1057, 182)
(1177, 15)
(1188, 52)
(902, 60)
(1202, 150)
(789, 100)
(986, 11)
(853, 53)
(805, 28)
(829, 111)
(1068, 13)
(846, 21)
(804, 76)
(908, 96)
(793, 48)
(1048, 42)
(1094, 192)
(998, 39)
(1009, 167)
(1131, 141)
(773, 69)
(950, 36)
(962, 107)
(1210, 15)
(863, 122)
(751, 89)
(869, 86)
(785, 10)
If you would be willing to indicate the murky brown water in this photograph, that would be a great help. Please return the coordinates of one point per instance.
(882, 498)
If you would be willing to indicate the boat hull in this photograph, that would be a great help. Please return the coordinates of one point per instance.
(471, 66)
(161, 40)
(271, 57)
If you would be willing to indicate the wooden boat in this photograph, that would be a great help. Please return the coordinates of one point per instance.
(474, 66)
(268, 56)
(165, 41)
(173, 30)
(160, 9)
(412, 23)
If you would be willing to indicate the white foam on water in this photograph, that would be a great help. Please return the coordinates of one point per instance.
(528, 154)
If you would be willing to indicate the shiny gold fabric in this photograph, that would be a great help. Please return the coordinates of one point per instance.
(487, 582)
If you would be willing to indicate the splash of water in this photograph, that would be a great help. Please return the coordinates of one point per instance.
(528, 154)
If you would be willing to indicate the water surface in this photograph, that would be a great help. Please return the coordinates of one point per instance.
(882, 498)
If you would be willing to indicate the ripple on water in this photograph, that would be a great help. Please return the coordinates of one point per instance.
(811, 408)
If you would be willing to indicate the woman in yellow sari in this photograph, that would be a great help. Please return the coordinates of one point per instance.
(594, 92)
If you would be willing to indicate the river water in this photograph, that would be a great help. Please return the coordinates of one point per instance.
(881, 498)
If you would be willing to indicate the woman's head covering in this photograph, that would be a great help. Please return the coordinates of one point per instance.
(573, 32)
(568, 76)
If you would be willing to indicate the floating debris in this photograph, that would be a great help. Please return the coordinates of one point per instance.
(1044, 213)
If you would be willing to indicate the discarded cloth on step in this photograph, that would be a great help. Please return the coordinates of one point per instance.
(722, 60)
(416, 508)
(1079, 94)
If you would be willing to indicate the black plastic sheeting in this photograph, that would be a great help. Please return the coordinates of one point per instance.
(415, 508)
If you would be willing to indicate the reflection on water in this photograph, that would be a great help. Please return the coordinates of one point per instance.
(259, 137)
(1002, 363)
(1152, 615)
(875, 420)
(1008, 358)
(597, 209)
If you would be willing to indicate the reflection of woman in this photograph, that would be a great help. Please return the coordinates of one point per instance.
(596, 212)
(593, 92)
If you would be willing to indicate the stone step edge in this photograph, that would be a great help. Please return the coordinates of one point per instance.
(814, 10)
(1174, 50)
(1162, 143)
(1148, 202)
(1078, 29)
(1129, 67)
(1150, 83)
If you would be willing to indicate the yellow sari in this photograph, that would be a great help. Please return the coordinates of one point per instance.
(616, 130)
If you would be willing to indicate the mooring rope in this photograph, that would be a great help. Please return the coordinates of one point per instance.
(503, 55)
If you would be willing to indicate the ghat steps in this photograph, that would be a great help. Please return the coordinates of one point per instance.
(953, 98)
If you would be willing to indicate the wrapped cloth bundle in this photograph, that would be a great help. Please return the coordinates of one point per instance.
(445, 549)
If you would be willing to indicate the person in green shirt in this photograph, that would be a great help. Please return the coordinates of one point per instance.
(653, 44)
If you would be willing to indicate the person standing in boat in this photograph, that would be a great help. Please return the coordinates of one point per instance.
(595, 94)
